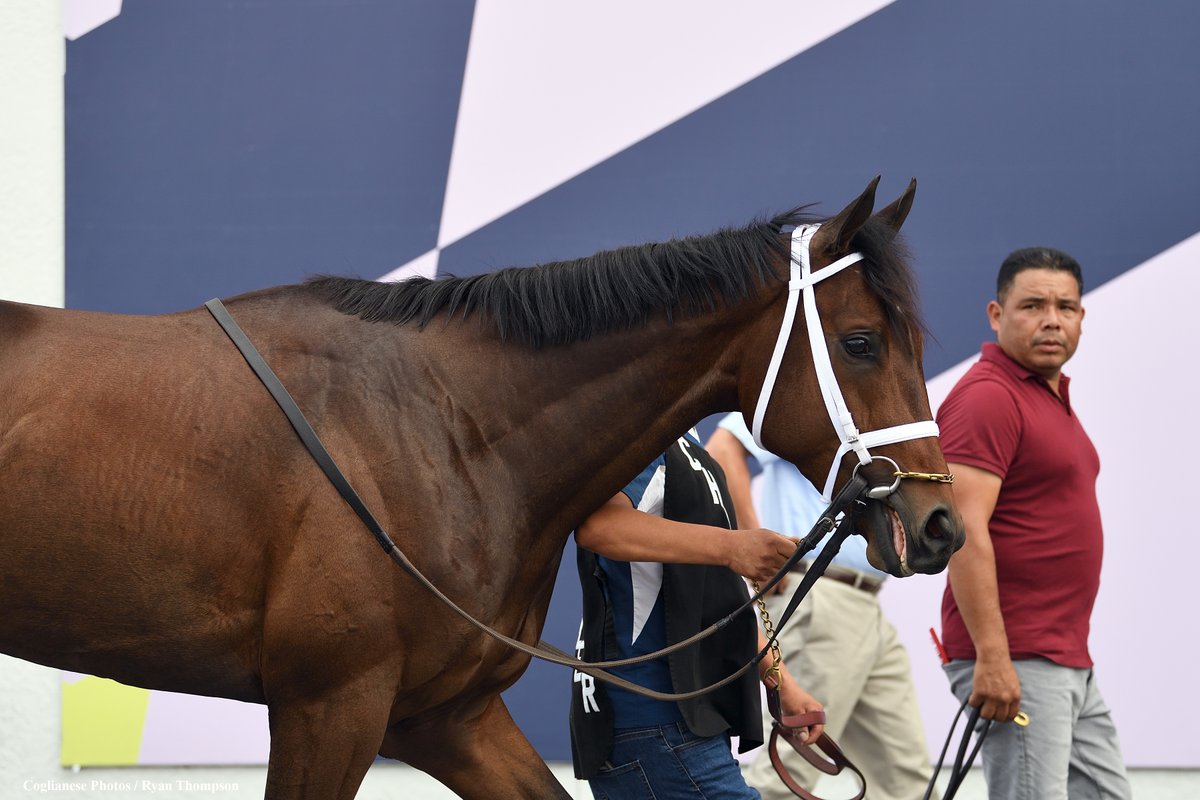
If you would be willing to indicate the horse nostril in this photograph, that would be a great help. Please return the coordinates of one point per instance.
(939, 526)
(943, 535)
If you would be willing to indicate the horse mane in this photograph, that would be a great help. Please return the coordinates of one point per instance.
(568, 301)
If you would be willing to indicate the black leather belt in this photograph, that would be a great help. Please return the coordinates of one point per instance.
(850, 577)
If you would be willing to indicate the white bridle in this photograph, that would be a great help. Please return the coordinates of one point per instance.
(803, 281)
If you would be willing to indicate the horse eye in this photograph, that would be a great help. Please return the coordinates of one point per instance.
(857, 346)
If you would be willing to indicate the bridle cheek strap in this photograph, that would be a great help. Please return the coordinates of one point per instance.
(803, 283)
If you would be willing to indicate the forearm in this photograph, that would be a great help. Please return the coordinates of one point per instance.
(627, 534)
(976, 592)
(995, 686)
(973, 568)
(793, 699)
(619, 531)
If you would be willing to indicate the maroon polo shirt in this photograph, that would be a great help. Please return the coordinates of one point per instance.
(1046, 527)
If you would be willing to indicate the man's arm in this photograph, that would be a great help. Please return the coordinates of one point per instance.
(618, 530)
(996, 688)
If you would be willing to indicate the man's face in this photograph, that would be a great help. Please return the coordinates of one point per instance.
(1039, 320)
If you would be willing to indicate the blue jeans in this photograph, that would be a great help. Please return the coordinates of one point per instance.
(670, 762)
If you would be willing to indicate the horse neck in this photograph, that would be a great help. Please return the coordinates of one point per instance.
(573, 424)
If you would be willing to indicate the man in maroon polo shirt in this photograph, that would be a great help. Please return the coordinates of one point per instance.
(1018, 604)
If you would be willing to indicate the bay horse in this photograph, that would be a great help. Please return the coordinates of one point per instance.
(161, 525)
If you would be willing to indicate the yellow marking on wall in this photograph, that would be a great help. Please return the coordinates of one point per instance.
(102, 722)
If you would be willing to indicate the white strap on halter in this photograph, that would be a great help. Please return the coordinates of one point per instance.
(803, 282)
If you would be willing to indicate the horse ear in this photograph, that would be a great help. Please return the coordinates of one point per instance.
(840, 229)
(894, 215)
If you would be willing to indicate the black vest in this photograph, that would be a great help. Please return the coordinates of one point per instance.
(694, 597)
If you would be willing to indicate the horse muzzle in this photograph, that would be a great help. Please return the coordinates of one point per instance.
(901, 539)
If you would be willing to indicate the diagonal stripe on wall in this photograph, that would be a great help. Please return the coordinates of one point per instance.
(552, 89)
(956, 95)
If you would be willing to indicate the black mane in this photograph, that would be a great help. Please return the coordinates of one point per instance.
(569, 301)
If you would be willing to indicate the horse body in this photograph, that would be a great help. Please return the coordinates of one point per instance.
(222, 547)
(162, 525)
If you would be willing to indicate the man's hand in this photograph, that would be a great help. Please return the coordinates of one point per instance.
(732, 455)
(794, 700)
(996, 689)
(758, 554)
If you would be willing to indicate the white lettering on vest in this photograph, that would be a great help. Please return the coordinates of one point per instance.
(708, 477)
(587, 682)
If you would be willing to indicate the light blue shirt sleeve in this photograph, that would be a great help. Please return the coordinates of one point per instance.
(788, 502)
(735, 423)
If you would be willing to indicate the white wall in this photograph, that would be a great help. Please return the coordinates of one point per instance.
(31, 270)
(32, 60)
(31, 151)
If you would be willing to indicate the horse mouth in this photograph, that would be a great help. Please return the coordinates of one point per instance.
(899, 541)
(887, 538)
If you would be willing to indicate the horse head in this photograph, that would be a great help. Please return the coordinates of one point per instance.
(845, 388)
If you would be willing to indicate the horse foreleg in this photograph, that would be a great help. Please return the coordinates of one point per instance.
(322, 746)
(482, 757)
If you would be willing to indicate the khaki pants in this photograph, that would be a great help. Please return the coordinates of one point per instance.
(841, 649)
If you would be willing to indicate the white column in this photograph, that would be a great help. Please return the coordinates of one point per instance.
(32, 61)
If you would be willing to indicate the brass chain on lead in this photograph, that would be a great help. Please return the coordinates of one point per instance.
(769, 628)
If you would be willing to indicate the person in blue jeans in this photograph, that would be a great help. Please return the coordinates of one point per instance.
(657, 563)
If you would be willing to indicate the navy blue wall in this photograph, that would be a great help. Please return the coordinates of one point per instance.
(216, 148)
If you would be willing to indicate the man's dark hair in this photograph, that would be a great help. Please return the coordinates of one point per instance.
(1035, 258)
